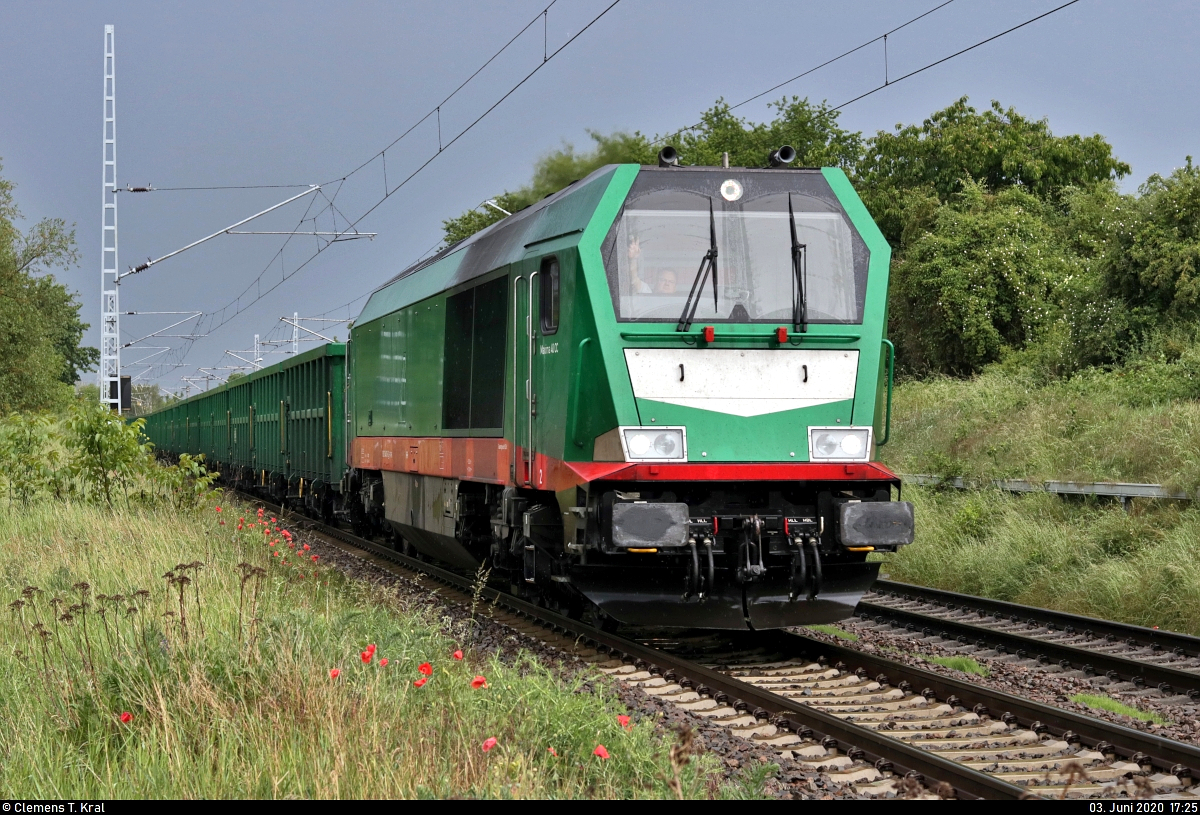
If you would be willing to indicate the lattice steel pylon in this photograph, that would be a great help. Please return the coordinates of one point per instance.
(110, 319)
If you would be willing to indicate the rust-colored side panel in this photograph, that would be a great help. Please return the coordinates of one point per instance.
(471, 459)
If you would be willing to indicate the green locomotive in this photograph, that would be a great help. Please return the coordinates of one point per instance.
(655, 395)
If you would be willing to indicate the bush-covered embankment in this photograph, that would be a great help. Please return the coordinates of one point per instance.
(1138, 422)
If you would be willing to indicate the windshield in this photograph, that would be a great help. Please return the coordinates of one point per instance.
(654, 252)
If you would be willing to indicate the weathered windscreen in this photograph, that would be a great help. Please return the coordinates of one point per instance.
(657, 245)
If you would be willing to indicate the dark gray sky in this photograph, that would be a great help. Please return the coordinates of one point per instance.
(235, 93)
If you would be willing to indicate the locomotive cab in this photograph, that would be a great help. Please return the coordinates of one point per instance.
(751, 308)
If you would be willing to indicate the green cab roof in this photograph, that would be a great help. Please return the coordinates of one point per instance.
(566, 212)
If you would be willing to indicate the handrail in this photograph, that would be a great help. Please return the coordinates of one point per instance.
(531, 332)
(577, 390)
(887, 426)
(516, 300)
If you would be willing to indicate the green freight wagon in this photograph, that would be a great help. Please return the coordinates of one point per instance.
(279, 430)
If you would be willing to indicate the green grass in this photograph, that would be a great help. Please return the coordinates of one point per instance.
(964, 664)
(246, 708)
(1098, 426)
(1041, 550)
(834, 631)
(1112, 705)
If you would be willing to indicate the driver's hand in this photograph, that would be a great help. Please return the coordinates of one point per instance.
(635, 248)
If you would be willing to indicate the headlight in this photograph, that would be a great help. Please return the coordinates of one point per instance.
(839, 443)
(654, 443)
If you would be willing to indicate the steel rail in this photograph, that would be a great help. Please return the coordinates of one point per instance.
(967, 782)
(1144, 673)
(1124, 631)
(1126, 741)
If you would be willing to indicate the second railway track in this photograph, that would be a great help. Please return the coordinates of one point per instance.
(1111, 655)
(876, 726)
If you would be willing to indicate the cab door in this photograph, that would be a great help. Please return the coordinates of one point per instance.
(535, 315)
(545, 361)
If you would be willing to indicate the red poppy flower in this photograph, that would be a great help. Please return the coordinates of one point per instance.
(600, 751)
(425, 668)
(241, 520)
(383, 662)
(489, 744)
(478, 682)
(334, 673)
(270, 543)
(458, 654)
(314, 558)
(420, 682)
(222, 523)
(371, 648)
(306, 547)
(239, 527)
(624, 722)
(126, 717)
(552, 751)
(218, 509)
(366, 657)
(272, 520)
(276, 554)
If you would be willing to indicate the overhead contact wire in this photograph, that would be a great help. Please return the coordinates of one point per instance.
(956, 54)
(351, 224)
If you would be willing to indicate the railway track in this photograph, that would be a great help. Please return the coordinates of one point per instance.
(877, 726)
(1114, 656)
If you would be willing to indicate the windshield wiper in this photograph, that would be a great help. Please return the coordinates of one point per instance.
(799, 274)
(708, 262)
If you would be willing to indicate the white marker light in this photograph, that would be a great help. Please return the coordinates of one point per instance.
(654, 443)
(839, 443)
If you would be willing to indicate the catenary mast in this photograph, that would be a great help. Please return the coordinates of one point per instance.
(110, 320)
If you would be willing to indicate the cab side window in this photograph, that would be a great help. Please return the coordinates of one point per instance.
(550, 298)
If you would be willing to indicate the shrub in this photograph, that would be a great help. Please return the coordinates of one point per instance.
(108, 453)
(29, 457)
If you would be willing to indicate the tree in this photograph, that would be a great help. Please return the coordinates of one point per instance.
(983, 278)
(998, 148)
(811, 129)
(147, 398)
(1155, 261)
(40, 329)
